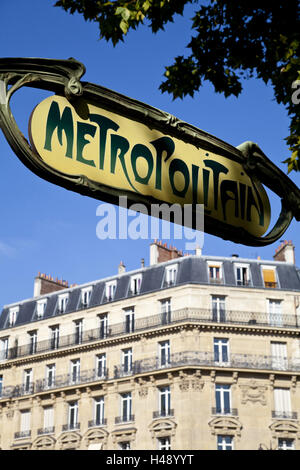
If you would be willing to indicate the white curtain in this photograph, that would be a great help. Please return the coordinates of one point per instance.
(282, 400)
(25, 421)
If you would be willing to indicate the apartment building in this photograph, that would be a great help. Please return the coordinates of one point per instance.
(191, 352)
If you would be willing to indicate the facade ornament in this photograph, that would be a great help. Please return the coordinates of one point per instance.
(254, 393)
(272, 380)
(225, 425)
(293, 383)
(143, 388)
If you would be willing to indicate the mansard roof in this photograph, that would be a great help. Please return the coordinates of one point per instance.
(190, 270)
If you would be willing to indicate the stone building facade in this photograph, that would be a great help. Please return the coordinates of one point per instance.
(192, 352)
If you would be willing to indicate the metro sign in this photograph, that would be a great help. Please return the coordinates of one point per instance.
(99, 143)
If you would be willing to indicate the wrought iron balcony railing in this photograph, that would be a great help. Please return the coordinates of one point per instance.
(49, 430)
(124, 419)
(71, 427)
(22, 434)
(163, 414)
(157, 321)
(153, 364)
(284, 415)
(97, 422)
(224, 412)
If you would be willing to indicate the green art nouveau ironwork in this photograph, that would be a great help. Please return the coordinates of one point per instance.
(63, 79)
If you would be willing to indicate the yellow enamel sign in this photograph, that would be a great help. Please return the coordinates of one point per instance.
(128, 156)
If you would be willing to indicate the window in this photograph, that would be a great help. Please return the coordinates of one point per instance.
(32, 342)
(73, 415)
(225, 442)
(99, 411)
(12, 316)
(164, 443)
(48, 419)
(62, 302)
(25, 423)
(54, 337)
(1, 384)
(171, 274)
(3, 349)
(242, 274)
(129, 320)
(165, 311)
(41, 308)
(103, 319)
(126, 404)
(275, 312)
(269, 276)
(221, 351)
(78, 331)
(286, 444)
(101, 365)
(218, 308)
(279, 355)
(127, 360)
(50, 375)
(164, 353)
(110, 289)
(223, 399)
(125, 445)
(135, 284)
(164, 401)
(282, 403)
(75, 370)
(86, 296)
(215, 272)
(27, 383)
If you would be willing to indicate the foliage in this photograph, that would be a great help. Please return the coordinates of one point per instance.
(230, 41)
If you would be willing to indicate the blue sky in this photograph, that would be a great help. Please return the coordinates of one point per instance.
(49, 229)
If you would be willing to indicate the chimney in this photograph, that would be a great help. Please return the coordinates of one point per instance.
(45, 284)
(142, 263)
(285, 252)
(159, 253)
(198, 251)
(121, 268)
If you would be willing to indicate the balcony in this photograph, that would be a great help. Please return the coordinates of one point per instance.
(97, 422)
(153, 364)
(271, 285)
(49, 430)
(216, 280)
(163, 414)
(163, 319)
(22, 434)
(284, 415)
(224, 412)
(70, 427)
(124, 419)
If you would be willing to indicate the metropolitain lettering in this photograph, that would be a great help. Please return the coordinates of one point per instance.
(160, 161)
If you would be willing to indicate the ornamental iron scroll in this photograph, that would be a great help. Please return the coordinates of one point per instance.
(63, 78)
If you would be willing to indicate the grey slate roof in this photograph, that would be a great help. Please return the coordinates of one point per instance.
(191, 270)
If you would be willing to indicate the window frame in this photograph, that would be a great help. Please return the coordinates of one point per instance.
(135, 284)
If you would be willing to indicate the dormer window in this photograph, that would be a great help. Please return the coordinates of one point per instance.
(242, 274)
(135, 284)
(62, 302)
(12, 316)
(171, 274)
(269, 276)
(110, 289)
(215, 272)
(86, 296)
(41, 308)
